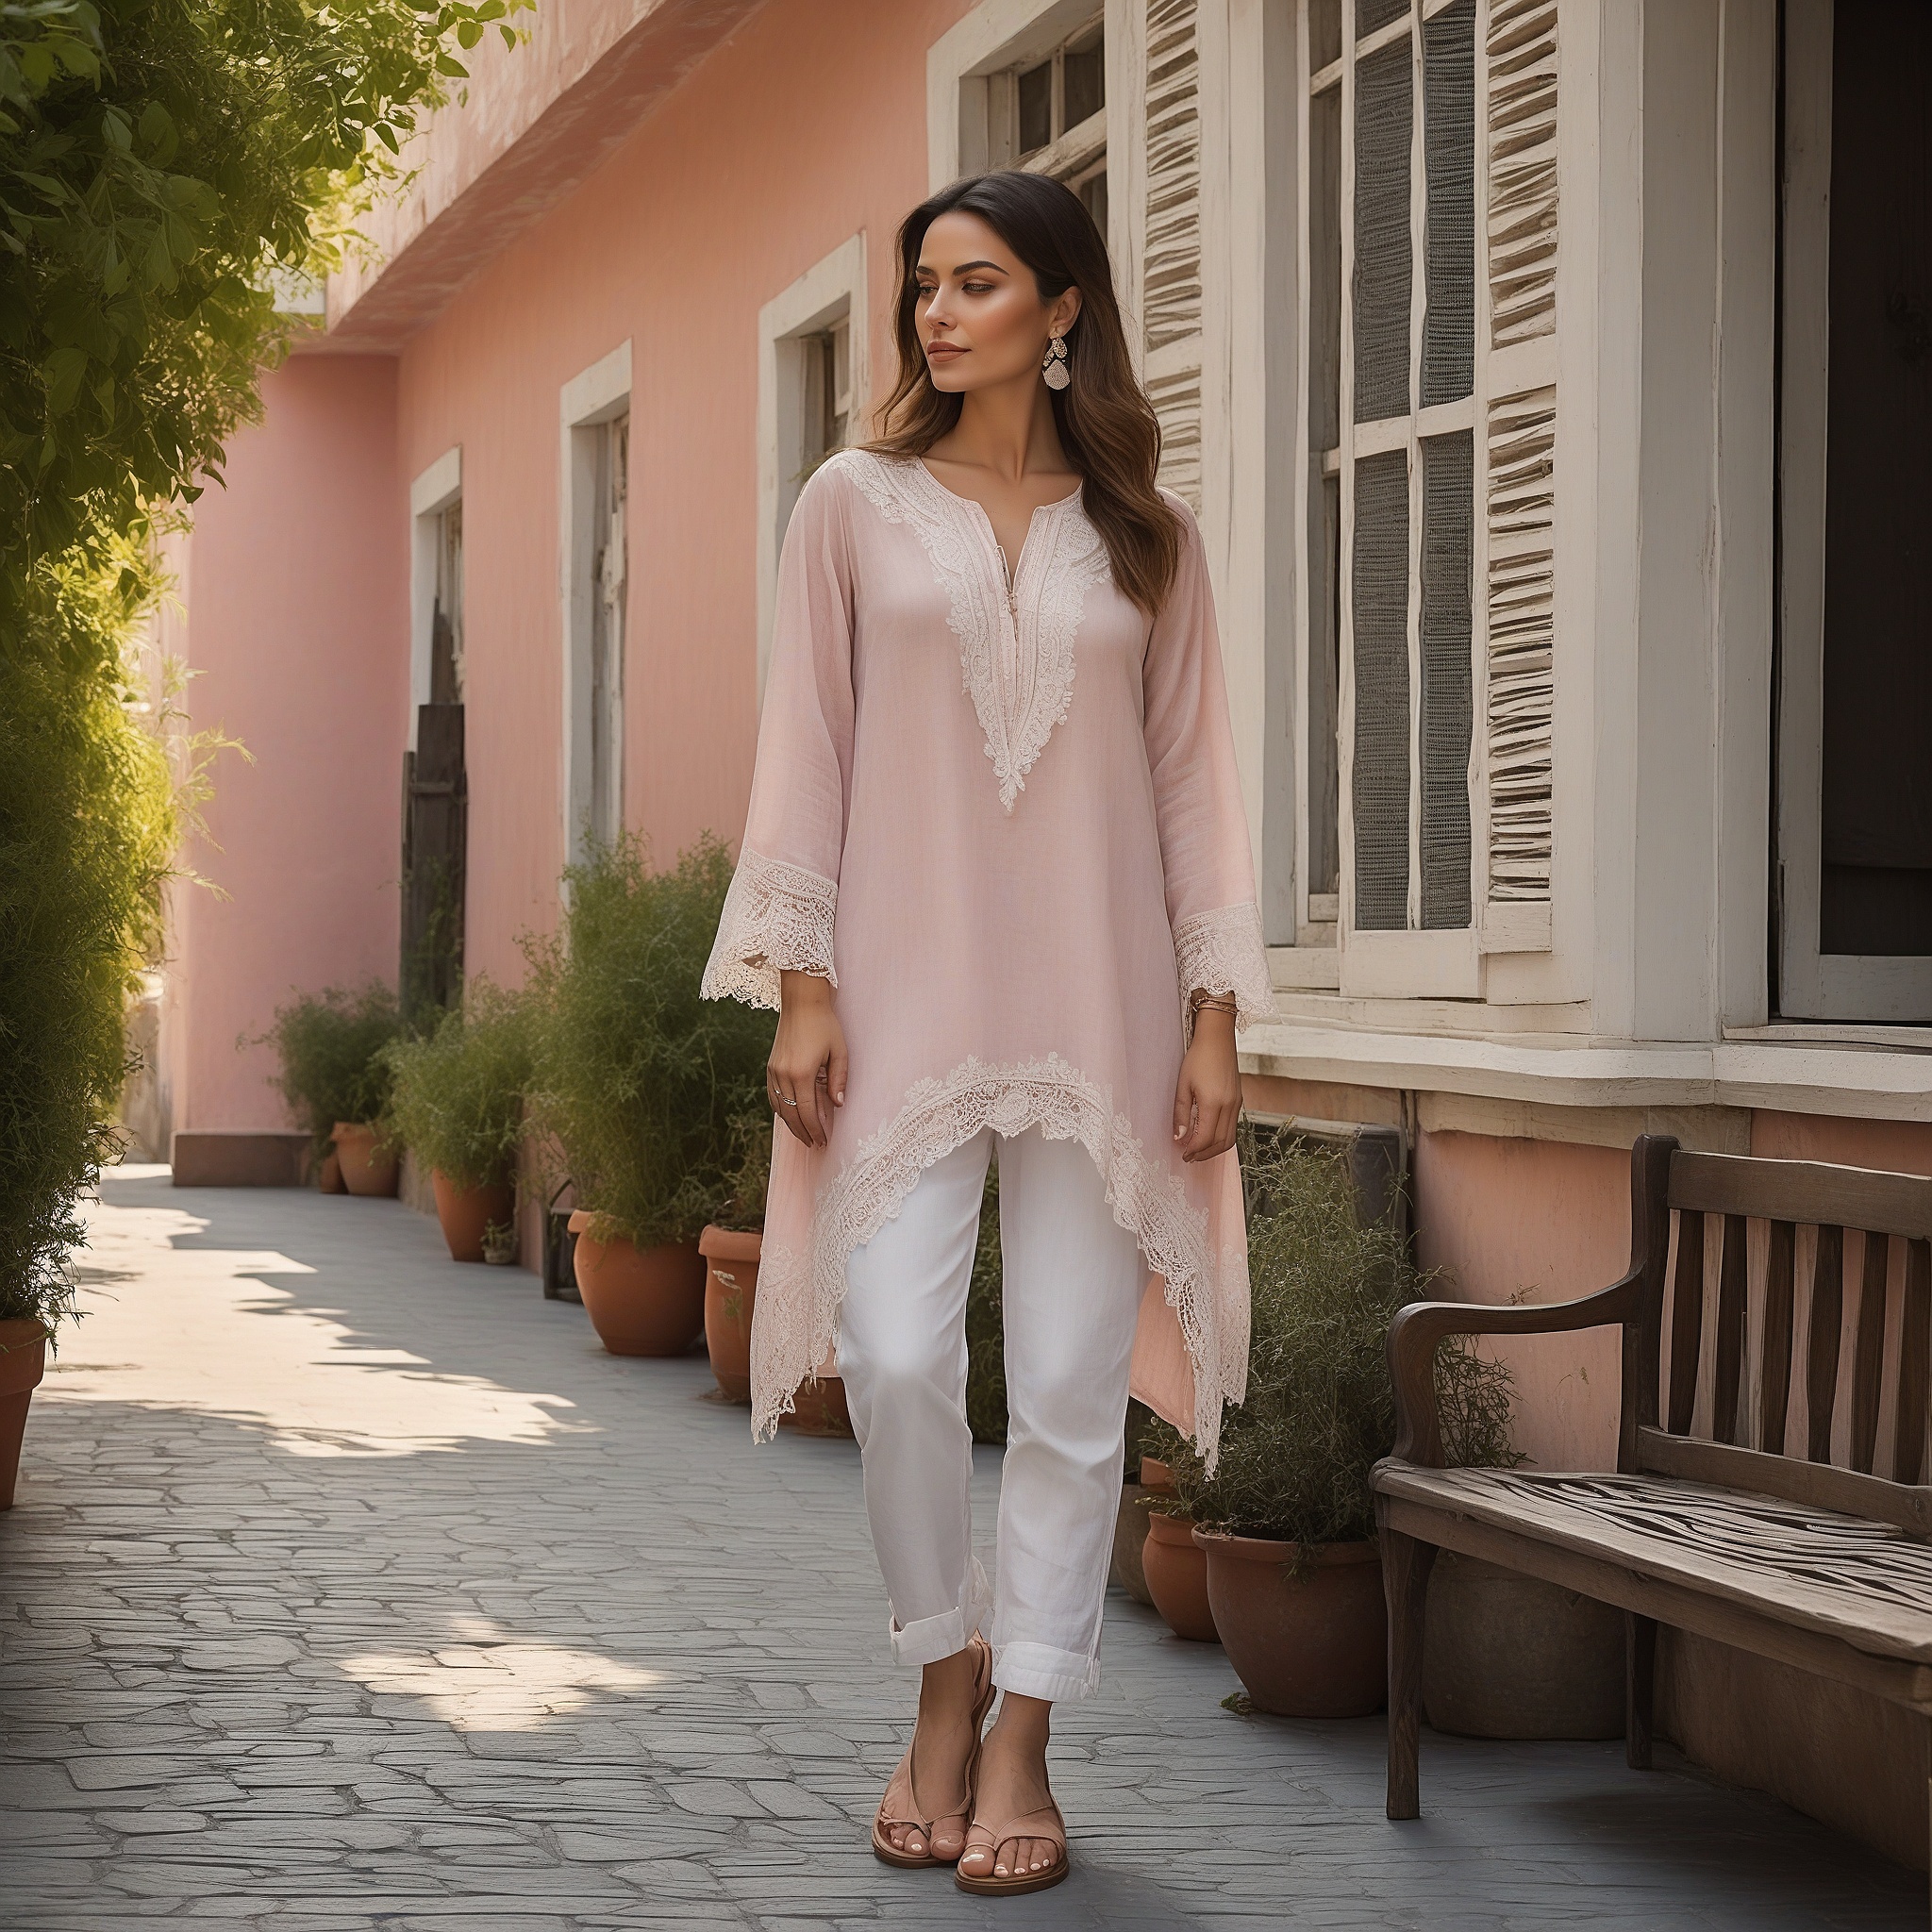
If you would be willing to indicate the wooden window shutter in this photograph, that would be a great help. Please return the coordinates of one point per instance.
(1170, 305)
(1516, 437)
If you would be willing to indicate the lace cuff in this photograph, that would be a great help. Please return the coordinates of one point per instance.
(1223, 952)
(776, 918)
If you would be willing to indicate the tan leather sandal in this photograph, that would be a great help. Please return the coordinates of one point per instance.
(900, 1807)
(1046, 1823)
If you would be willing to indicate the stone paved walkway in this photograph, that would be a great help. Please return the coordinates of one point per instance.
(351, 1589)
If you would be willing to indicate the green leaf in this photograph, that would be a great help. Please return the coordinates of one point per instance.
(62, 372)
(386, 134)
(449, 64)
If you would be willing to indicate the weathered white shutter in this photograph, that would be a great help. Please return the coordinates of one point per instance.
(1170, 252)
(1519, 445)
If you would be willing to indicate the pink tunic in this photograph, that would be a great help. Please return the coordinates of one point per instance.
(1009, 830)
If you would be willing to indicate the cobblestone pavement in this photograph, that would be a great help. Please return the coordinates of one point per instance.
(351, 1589)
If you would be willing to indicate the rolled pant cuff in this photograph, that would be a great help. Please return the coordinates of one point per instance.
(1037, 1670)
(926, 1640)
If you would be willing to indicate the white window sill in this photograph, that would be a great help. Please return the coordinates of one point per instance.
(1876, 1081)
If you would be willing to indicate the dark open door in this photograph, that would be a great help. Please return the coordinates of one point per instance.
(435, 834)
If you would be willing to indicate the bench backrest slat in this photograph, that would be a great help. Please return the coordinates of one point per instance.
(1738, 1353)
(1827, 1320)
(1915, 1367)
(1804, 1191)
(1781, 1296)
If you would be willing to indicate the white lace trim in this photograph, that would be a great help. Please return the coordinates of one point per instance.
(1223, 951)
(796, 1322)
(1016, 656)
(776, 917)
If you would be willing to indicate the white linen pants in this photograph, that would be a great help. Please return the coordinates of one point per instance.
(1071, 1282)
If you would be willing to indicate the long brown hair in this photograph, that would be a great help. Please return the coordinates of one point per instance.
(1107, 425)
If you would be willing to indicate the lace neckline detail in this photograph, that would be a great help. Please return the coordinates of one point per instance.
(1016, 645)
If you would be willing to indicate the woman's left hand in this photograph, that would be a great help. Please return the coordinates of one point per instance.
(1207, 1096)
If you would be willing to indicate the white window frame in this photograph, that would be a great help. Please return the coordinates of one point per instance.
(437, 489)
(964, 123)
(831, 290)
(589, 401)
(1814, 985)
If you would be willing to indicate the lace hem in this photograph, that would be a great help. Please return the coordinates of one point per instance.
(795, 1324)
(776, 918)
(1223, 952)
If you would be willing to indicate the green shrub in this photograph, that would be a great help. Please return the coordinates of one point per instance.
(1321, 1409)
(333, 1051)
(645, 1087)
(457, 1102)
(986, 1331)
(90, 817)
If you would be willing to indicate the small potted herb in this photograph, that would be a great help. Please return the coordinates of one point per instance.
(457, 1103)
(640, 1082)
(1287, 1521)
(336, 1079)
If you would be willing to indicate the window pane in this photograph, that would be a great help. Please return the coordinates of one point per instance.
(1448, 694)
(1370, 14)
(1875, 892)
(1083, 80)
(1380, 596)
(1324, 270)
(1449, 154)
(1092, 193)
(1325, 33)
(1325, 686)
(1035, 108)
(1382, 258)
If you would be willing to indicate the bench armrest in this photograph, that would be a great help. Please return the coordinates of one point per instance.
(1416, 1332)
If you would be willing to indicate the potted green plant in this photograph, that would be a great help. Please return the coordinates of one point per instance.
(336, 1079)
(457, 1102)
(1286, 1521)
(731, 1245)
(639, 1081)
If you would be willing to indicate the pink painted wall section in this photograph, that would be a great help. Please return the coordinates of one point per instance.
(1894, 1146)
(1544, 1221)
(756, 168)
(296, 594)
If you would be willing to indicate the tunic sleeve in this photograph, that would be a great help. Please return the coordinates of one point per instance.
(779, 912)
(1205, 852)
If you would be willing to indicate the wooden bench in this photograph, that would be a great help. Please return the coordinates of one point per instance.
(1772, 1455)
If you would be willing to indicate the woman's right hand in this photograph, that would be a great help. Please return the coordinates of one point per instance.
(805, 1079)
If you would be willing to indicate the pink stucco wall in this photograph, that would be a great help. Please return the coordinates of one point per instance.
(805, 127)
(1544, 1222)
(294, 585)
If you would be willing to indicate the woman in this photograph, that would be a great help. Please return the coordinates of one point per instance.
(994, 759)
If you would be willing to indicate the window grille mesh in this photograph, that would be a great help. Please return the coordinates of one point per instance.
(1371, 14)
(1383, 112)
(1380, 604)
(1449, 248)
(1447, 693)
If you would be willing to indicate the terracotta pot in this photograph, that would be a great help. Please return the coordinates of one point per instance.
(640, 1301)
(1176, 1573)
(364, 1170)
(1508, 1656)
(731, 1287)
(465, 1213)
(821, 1409)
(22, 1362)
(1156, 1477)
(1130, 1540)
(1315, 1645)
(329, 1180)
